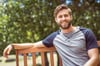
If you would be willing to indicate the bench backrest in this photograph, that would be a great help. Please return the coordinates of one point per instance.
(33, 51)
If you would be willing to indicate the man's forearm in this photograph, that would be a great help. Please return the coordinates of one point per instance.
(39, 44)
(28, 45)
(22, 45)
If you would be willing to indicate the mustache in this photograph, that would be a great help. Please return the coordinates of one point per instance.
(64, 21)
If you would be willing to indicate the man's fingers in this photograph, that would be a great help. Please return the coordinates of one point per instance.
(5, 52)
(6, 55)
(8, 50)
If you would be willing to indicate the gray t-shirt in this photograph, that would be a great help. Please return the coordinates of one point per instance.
(72, 47)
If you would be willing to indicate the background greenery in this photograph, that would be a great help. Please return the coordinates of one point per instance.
(32, 20)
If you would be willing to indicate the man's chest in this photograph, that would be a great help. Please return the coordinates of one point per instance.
(75, 41)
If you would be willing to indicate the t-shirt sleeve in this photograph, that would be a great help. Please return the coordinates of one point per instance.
(91, 41)
(48, 41)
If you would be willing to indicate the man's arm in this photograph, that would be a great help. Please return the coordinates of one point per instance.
(28, 45)
(93, 57)
(8, 49)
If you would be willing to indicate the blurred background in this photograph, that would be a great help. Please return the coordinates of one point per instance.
(32, 20)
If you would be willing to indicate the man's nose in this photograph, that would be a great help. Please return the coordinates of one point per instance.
(63, 17)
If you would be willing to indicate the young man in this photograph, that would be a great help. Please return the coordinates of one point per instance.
(77, 46)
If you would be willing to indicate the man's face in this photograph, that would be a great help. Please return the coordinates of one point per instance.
(63, 19)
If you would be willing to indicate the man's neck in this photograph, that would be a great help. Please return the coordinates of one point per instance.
(70, 29)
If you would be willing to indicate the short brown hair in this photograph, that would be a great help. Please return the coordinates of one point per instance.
(61, 7)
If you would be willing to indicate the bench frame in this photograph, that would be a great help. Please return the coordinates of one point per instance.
(33, 50)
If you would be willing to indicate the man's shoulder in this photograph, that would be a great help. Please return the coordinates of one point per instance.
(84, 29)
(53, 34)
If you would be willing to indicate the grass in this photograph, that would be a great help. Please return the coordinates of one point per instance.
(12, 61)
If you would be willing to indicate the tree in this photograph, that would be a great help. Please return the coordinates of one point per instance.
(32, 20)
(86, 13)
(27, 20)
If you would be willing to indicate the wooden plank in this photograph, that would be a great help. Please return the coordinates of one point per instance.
(60, 61)
(51, 58)
(30, 50)
(17, 58)
(34, 59)
(25, 59)
(43, 58)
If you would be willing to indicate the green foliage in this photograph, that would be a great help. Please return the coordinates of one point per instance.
(26, 21)
(32, 20)
(87, 14)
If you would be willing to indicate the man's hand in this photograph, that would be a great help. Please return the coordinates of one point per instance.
(7, 51)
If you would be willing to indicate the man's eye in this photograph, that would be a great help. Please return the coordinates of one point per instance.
(65, 15)
(60, 16)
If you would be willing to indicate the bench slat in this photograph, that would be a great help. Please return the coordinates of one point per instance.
(43, 58)
(51, 58)
(34, 59)
(25, 59)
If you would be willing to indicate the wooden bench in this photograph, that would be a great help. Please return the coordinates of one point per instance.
(33, 51)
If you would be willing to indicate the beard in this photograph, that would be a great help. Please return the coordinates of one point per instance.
(65, 26)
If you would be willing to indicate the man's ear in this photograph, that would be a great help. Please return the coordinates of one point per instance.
(71, 17)
(55, 19)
